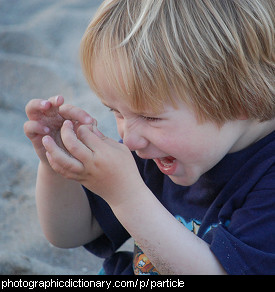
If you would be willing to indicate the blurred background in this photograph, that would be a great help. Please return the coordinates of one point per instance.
(39, 58)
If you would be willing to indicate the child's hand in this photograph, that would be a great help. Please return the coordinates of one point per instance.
(46, 117)
(103, 165)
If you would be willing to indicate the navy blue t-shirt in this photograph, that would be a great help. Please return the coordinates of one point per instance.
(231, 207)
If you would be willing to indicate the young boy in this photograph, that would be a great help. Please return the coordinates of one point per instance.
(191, 85)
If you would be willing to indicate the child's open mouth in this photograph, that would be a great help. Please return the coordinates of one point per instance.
(167, 164)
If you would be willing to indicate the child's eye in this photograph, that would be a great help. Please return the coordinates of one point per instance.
(116, 113)
(150, 119)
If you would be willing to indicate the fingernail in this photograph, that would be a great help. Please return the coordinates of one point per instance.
(46, 130)
(45, 140)
(68, 123)
(44, 102)
(88, 120)
(57, 98)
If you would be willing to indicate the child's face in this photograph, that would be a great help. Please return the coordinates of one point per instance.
(181, 148)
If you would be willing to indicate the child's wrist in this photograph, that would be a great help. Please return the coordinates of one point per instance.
(44, 164)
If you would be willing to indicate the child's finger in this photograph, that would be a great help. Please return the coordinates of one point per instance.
(98, 133)
(70, 112)
(60, 161)
(56, 101)
(74, 146)
(35, 106)
(34, 128)
(90, 139)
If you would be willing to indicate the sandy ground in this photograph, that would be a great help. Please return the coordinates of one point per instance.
(39, 43)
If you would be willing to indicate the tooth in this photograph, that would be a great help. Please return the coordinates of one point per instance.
(165, 163)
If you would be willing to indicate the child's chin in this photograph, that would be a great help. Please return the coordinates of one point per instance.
(184, 180)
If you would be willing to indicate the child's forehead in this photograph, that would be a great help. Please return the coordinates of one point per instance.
(118, 102)
(108, 81)
(108, 69)
(114, 86)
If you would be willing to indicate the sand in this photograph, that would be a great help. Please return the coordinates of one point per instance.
(39, 42)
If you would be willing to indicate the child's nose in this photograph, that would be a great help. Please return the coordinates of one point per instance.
(133, 139)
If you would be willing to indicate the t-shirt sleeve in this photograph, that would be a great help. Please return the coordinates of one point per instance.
(246, 244)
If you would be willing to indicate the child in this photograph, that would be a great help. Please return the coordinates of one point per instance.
(191, 84)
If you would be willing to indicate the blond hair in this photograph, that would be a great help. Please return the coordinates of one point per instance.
(218, 56)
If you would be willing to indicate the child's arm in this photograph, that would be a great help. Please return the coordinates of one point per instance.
(108, 169)
(63, 210)
(62, 205)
